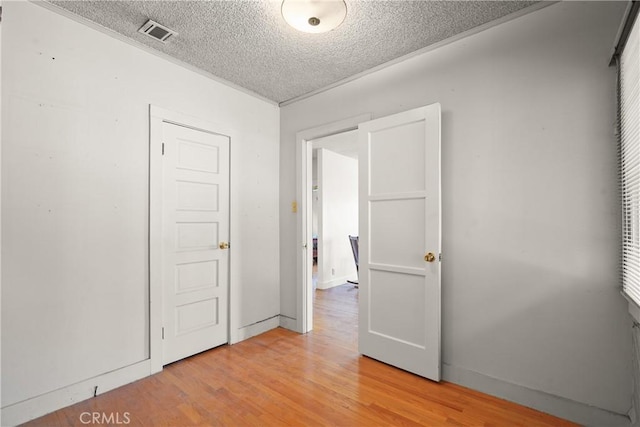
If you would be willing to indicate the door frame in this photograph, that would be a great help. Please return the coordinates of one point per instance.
(158, 116)
(304, 242)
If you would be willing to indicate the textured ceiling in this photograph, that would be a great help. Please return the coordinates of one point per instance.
(249, 44)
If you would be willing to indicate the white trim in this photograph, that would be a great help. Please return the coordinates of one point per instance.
(287, 322)
(304, 298)
(471, 32)
(111, 33)
(155, 240)
(555, 405)
(634, 311)
(258, 328)
(1, 26)
(623, 24)
(38, 406)
(157, 116)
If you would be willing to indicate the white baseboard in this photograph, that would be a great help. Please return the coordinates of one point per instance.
(334, 282)
(289, 323)
(564, 408)
(30, 409)
(258, 328)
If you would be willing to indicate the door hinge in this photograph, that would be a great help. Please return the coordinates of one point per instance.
(163, 148)
(163, 332)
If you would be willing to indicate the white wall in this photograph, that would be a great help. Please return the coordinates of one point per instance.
(75, 166)
(338, 194)
(530, 281)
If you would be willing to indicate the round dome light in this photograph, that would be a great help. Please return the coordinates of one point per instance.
(314, 16)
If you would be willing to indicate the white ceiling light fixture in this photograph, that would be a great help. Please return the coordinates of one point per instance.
(314, 16)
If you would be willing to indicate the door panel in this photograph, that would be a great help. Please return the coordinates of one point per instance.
(195, 236)
(399, 224)
(198, 157)
(197, 196)
(398, 290)
(195, 221)
(196, 275)
(400, 232)
(397, 152)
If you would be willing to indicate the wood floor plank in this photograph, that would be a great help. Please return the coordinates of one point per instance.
(282, 378)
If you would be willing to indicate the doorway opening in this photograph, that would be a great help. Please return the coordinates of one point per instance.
(334, 193)
(305, 146)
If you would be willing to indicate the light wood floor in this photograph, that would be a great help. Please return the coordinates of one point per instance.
(283, 378)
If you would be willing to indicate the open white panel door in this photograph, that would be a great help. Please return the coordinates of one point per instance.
(400, 240)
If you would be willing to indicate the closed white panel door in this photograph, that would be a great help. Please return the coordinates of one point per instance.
(195, 258)
(400, 240)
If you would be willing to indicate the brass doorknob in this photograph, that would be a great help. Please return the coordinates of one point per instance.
(223, 245)
(430, 257)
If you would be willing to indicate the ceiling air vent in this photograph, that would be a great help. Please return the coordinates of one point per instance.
(156, 31)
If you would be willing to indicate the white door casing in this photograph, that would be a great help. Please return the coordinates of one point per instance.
(399, 313)
(195, 230)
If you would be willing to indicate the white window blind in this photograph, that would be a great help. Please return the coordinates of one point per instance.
(629, 140)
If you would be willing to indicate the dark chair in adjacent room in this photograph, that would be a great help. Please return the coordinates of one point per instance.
(353, 240)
